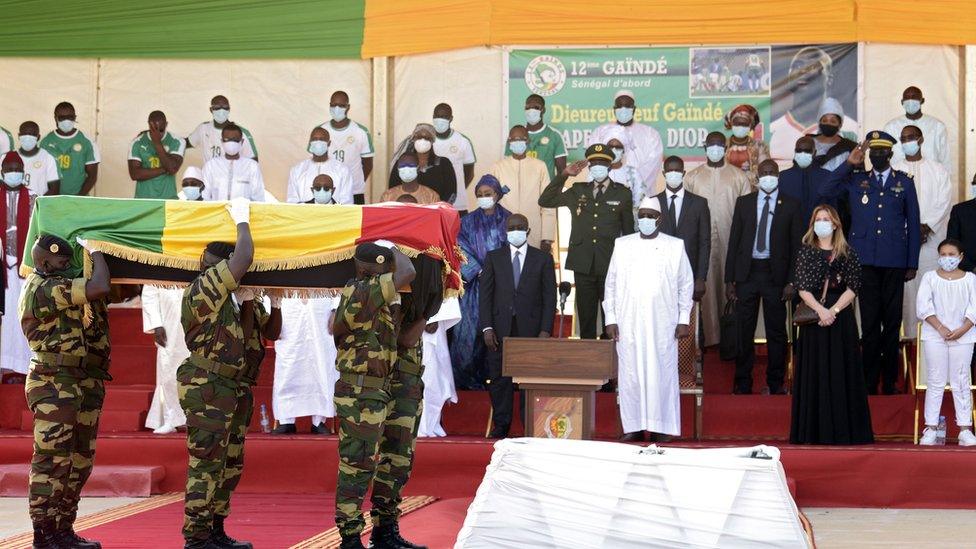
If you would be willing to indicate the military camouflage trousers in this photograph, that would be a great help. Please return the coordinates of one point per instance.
(66, 411)
(218, 412)
(377, 436)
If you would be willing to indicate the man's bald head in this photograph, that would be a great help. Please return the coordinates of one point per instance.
(339, 98)
(322, 182)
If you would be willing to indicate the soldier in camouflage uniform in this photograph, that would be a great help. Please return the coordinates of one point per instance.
(366, 341)
(224, 333)
(52, 315)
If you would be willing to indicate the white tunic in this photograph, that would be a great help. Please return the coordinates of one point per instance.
(648, 293)
(161, 307)
(225, 179)
(305, 357)
(14, 352)
(350, 145)
(935, 145)
(643, 149)
(39, 171)
(302, 174)
(934, 202)
(438, 373)
(951, 301)
(209, 140)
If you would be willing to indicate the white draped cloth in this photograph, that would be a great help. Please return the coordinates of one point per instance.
(438, 374)
(161, 307)
(14, 352)
(305, 358)
(643, 149)
(934, 189)
(648, 293)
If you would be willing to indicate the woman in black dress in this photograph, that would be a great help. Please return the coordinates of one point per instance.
(830, 400)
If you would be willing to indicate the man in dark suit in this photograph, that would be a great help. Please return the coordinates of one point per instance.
(686, 216)
(518, 299)
(602, 211)
(767, 227)
(962, 227)
(805, 180)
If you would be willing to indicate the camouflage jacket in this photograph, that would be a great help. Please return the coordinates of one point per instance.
(211, 322)
(51, 312)
(256, 343)
(370, 347)
(97, 340)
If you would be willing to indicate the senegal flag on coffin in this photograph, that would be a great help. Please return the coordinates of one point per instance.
(296, 246)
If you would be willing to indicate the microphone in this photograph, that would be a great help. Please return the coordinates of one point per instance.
(564, 289)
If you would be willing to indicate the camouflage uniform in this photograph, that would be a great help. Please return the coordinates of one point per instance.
(51, 314)
(365, 360)
(215, 393)
(93, 395)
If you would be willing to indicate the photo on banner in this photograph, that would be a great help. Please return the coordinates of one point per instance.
(685, 92)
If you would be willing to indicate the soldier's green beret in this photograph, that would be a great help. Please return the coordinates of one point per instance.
(373, 253)
(55, 245)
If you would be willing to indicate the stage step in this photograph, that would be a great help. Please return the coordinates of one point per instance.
(128, 397)
(125, 326)
(131, 481)
(111, 421)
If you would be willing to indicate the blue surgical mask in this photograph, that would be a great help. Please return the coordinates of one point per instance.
(803, 159)
(220, 115)
(322, 196)
(66, 125)
(715, 152)
(768, 183)
(338, 113)
(28, 142)
(191, 192)
(598, 172)
(485, 202)
(441, 125)
(533, 116)
(517, 238)
(624, 114)
(740, 131)
(618, 153)
(407, 173)
(673, 179)
(318, 148)
(646, 226)
(910, 148)
(518, 147)
(949, 262)
(912, 106)
(823, 229)
(12, 179)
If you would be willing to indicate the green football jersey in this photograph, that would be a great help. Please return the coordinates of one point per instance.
(143, 150)
(547, 145)
(72, 153)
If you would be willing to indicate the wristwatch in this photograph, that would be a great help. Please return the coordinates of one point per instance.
(835, 310)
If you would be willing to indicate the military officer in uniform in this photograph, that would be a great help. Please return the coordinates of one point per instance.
(602, 211)
(886, 233)
(224, 327)
(52, 315)
(366, 337)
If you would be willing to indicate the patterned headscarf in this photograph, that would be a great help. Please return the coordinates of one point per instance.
(748, 111)
(492, 182)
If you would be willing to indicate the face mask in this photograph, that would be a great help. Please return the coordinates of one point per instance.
(533, 116)
(322, 196)
(646, 225)
(768, 183)
(220, 115)
(421, 145)
(879, 161)
(715, 152)
(823, 229)
(673, 179)
(624, 114)
(828, 130)
(910, 148)
(66, 125)
(318, 148)
(912, 106)
(598, 172)
(191, 192)
(407, 174)
(231, 148)
(441, 125)
(12, 179)
(485, 202)
(517, 238)
(338, 113)
(518, 147)
(740, 131)
(949, 262)
(803, 159)
(617, 154)
(28, 142)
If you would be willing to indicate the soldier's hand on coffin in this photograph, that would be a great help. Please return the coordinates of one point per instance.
(244, 294)
(240, 210)
(613, 332)
(431, 328)
(159, 336)
(682, 331)
(84, 243)
(491, 340)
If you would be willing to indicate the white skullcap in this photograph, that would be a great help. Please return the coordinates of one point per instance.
(650, 203)
(624, 93)
(193, 172)
(831, 106)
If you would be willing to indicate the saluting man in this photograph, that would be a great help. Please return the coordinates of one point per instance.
(602, 211)
(886, 233)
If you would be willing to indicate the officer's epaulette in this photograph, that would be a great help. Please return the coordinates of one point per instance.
(906, 174)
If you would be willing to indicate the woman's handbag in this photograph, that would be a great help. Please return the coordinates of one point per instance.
(803, 314)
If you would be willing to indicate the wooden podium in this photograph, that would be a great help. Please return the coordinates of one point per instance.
(560, 378)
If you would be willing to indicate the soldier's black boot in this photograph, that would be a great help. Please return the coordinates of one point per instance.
(69, 539)
(200, 544)
(352, 541)
(388, 537)
(220, 538)
(45, 537)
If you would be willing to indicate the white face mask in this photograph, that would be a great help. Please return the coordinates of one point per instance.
(318, 148)
(518, 147)
(912, 106)
(646, 226)
(322, 196)
(949, 263)
(66, 125)
(191, 192)
(823, 229)
(13, 179)
(28, 142)
(768, 183)
(598, 172)
(517, 238)
(421, 145)
(533, 116)
(740, 131)
(803, 159)
(441, 125)
(624, 114)
(231, 148)
(715, 152)
(673, 179)
(485, 202)
(407, 174)
(910, 148)
(220, 115)
(338, 113)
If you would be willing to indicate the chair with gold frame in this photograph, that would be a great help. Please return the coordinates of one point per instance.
(921, 381)
(690, 379)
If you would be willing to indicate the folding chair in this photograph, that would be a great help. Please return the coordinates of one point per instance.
(690, 379)
(921, 381)
(790, 338)
(906, 369)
